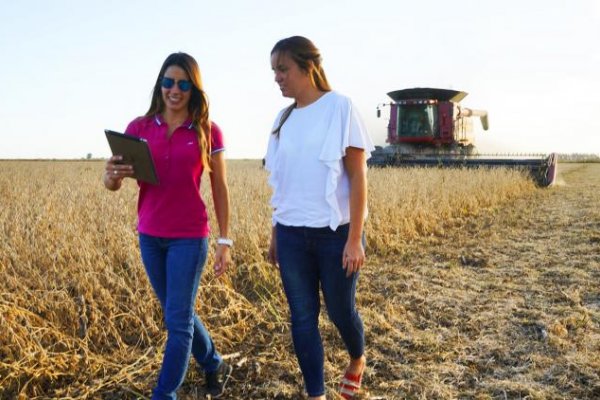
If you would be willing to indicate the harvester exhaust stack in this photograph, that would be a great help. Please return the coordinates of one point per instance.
(428, 127)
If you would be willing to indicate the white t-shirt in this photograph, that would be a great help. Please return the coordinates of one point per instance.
(310, 186)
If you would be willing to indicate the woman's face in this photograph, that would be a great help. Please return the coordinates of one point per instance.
(175, 98)
(292, 80)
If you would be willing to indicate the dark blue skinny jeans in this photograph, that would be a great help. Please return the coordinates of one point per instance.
(309, 258)
(174, 267)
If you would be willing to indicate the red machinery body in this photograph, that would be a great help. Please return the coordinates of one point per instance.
(431, 119)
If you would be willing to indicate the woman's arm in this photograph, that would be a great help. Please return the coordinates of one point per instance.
(220, 193)
(356, 167)
(273, 247)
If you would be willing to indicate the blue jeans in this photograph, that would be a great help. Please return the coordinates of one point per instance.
(309, 257)
(174, 267)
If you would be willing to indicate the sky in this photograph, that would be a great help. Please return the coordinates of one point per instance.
(73, 68)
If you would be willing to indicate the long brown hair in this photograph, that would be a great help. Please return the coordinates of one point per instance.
(304, 53)
(197, 107)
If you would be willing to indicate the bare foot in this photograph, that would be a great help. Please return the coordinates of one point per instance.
(357, 366)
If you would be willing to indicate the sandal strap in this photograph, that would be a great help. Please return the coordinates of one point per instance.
(348, 394)
(351, 383)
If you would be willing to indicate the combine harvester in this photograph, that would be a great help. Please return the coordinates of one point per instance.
(427, 127)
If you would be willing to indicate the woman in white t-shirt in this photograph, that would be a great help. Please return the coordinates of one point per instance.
(317, 162)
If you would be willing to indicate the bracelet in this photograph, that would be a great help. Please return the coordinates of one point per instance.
(225, 241)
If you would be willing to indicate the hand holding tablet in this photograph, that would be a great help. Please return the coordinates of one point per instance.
(135, 152)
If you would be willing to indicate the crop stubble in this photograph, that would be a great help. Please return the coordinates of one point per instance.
(478, 285)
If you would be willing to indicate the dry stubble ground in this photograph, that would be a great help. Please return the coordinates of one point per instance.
(501, 303)
(504, 306)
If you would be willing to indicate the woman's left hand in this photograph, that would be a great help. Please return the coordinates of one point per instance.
(222, 259)
(354, 257)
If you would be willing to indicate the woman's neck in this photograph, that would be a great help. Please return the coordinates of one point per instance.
(174, 119)
(308, 97)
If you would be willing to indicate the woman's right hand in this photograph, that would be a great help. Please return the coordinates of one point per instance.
(114, 172)
(273, 248)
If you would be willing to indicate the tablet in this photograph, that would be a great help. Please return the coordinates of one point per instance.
(135, 151)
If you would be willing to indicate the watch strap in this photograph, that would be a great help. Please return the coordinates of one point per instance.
(225, 241)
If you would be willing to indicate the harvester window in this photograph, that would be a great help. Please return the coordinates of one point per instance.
(417, 120)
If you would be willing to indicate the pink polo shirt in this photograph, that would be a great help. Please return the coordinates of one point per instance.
(174, 208)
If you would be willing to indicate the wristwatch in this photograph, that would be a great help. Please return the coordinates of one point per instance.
(225, 241)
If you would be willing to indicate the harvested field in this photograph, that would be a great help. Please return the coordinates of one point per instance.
(478, 286)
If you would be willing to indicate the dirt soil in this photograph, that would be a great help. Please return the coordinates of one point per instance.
(506, 305)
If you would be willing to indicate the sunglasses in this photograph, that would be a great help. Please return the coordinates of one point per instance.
(168, 83)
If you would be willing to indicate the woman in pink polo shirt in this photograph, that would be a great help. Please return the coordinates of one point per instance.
(172, 218)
